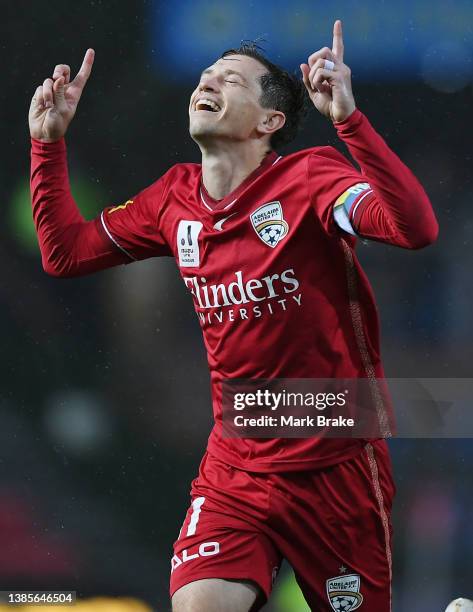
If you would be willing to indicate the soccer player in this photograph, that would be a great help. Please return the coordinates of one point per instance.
(265, 245)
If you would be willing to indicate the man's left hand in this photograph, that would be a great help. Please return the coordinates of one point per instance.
(328, 79)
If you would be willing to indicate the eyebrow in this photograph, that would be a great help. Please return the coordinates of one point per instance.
(226, 71)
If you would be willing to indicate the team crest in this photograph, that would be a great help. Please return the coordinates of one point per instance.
(343, 593)
(269, 224)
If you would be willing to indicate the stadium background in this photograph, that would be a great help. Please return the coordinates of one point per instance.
(104, 406)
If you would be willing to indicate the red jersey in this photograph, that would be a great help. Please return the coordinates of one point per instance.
(271, 268)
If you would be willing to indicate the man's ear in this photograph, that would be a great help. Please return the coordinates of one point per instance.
(271, 122)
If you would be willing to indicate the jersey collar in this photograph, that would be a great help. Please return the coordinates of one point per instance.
(211, 204)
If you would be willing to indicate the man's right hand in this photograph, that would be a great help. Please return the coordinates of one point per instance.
(55, 101)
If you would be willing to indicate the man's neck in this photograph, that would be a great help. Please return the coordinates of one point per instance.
(223, 170)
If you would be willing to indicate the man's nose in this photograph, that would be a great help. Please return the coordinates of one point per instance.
(210, 84)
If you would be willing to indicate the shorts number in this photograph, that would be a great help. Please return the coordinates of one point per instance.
(196, 508)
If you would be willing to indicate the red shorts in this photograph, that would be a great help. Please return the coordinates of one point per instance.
(332, 525)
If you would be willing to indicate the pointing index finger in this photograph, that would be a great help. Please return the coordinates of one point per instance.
(337, 46)
(86, 68)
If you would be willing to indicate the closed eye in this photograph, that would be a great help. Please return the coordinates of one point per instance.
(228, 81)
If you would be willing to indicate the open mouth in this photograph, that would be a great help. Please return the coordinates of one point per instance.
(208, 106)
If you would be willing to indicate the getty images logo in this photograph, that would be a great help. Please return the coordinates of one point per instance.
(241, 291)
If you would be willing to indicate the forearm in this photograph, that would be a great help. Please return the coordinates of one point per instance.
(70, 246)
(399, 211)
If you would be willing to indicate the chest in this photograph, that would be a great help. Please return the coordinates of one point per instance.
(256, 235)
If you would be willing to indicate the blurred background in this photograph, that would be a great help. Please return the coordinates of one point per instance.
(104, 390)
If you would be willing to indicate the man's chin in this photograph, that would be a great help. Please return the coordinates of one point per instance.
(202, 133)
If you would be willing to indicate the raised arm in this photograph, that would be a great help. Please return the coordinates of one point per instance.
(71, 246)
(395, 209)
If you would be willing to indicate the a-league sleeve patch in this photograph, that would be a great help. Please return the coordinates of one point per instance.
(346, 205)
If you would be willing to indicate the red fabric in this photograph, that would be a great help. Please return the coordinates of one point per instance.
(399, 213)
(326, 523)
(299, 308)
(69, 245)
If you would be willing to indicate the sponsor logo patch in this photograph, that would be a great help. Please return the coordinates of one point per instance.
(343, 593)
(188, 243)
(268, 222)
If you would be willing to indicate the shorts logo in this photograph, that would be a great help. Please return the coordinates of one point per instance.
(206, 549)
(269, 224)
(188, 243)
(343, 593)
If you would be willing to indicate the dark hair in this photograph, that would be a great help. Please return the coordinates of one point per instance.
(281, 91)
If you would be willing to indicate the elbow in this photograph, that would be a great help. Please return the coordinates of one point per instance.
(425, 237)
(56, 269)
(425, 227)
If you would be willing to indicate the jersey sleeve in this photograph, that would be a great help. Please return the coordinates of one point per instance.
(135, 227)
(70, 245)
(336, 189)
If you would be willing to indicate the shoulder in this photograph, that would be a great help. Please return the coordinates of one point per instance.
(316, 159)
(183, 171)
(178, 174)
(327, 152)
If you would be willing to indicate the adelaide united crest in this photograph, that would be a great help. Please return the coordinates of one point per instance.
(343, 593)
(268, 222)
